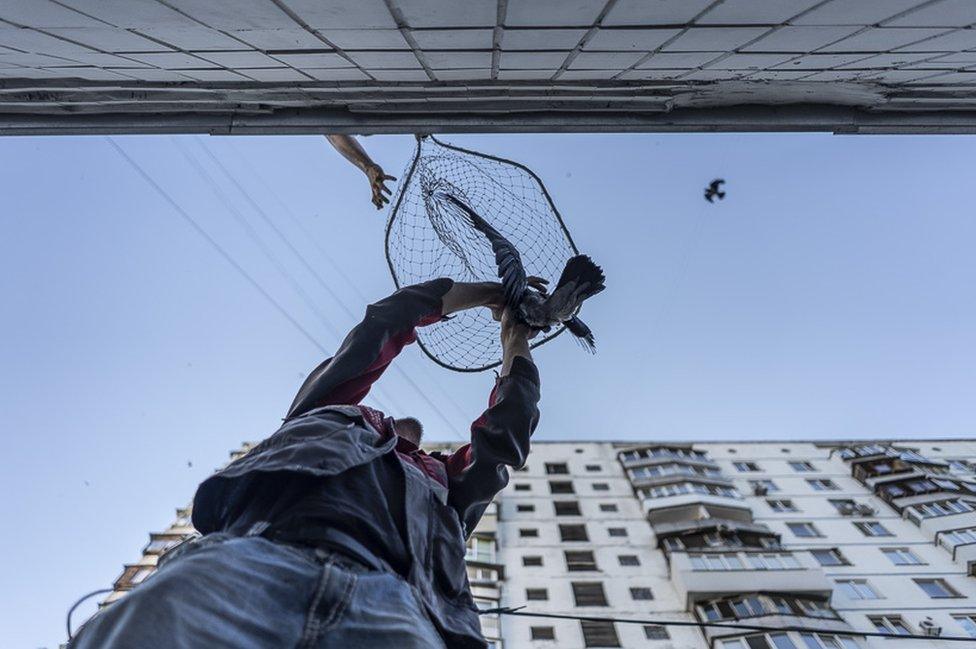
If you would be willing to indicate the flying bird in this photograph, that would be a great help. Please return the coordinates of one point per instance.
(714, 190)
(580, 279)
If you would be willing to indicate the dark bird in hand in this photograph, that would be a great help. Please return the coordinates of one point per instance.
(580, 279)
(714, 190)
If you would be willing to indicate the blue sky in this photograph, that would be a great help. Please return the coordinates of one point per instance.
(830, 296)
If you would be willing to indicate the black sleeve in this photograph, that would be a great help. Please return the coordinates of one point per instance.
(499, 439)
(370, 347)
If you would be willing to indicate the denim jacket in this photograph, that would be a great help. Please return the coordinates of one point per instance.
(326, 432)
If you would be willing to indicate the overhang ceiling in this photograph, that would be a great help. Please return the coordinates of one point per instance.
(375, 66)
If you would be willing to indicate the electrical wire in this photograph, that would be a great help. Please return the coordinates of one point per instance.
(517, 611)
(217, 247)
(335, 266)
(269, 253)
(78, 602)
(325, 285)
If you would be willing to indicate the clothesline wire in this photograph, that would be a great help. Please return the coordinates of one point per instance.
(517, 611)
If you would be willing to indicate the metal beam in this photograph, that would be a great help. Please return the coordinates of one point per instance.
(795, 118)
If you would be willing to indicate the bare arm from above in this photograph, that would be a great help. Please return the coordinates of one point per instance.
(353, 151)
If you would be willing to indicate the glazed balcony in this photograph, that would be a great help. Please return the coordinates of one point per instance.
(708, 575)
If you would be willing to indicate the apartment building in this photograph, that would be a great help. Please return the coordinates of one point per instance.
(833, 539)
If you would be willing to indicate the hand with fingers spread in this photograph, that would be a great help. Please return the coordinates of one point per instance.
(377, 182)
(352, 151)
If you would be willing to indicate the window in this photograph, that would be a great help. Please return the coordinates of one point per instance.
(764, 641)
(873, 528)
(902, 557)
(937, 588)
(599, 634)
(141, 574)
(763, 486)
(608, 507)
(601, 486)
(553, 468)
(857, 589)
(480, 548)
(781, 505)
(543, 633)
(715, 562)
(804, 530)
(957, 537)
(529, 532)
(744, 467)
(567, 508)
(525, 508)
(967, 622)
(641, 593)
(573, 533)
(594, 467)
(802, 467)
(655, 632)
(482, 574)
(943, 508)
(561, 487)
(523, 486)
(827, 641)
(822, 484)
(589, 593)
(893, 624)
(537, 594)
(830, 557)
(157, 546)
(531, 561)
(628, 560)
(617, 531)
(580, 561)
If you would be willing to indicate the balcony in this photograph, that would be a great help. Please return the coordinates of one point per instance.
(658, 454)
(709, 575)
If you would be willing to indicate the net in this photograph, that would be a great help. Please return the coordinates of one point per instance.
(427, 238)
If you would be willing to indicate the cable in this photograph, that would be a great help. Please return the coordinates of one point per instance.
(311, 269)
(216, 246)
(67, 621)
(721, 625)
(268, 253)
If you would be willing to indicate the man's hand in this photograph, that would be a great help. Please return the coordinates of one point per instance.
(515, 340)
(468, 295)
(377, 183)
(352, 151)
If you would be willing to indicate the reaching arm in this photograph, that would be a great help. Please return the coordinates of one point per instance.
(369, 348)
(388, 327)
(352, 151)
(500, 436)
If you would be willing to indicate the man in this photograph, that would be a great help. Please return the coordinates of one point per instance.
(338, 531)
(352, 151)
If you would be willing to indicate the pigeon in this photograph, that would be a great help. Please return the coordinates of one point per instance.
(581, 279)
(714, 190)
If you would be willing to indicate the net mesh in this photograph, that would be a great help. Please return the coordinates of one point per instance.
(427, 237)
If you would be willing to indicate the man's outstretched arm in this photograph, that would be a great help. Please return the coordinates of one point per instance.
(352, 151)
(500, 436)
(388, 327)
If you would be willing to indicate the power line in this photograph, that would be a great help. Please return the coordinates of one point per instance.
(311, 269)
(217, 247)
(78, 602)
(256, 238)
(721, 625)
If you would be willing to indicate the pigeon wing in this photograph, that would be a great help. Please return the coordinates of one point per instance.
(507, 257)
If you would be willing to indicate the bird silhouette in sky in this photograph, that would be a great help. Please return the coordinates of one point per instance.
(581, 279)
(714, 189)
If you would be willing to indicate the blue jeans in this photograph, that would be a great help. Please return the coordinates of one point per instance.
(250, 593)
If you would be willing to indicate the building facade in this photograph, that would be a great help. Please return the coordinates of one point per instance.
(831, 539)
